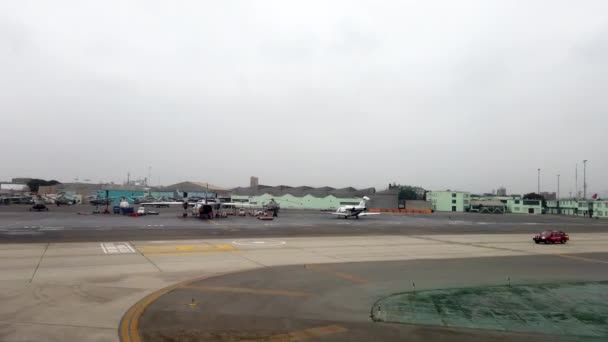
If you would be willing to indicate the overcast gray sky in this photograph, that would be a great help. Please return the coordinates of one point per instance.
(464, 95)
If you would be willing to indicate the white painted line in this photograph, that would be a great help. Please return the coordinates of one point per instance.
(130, 247)
(105, 251)
(258, 242)
(21, 233)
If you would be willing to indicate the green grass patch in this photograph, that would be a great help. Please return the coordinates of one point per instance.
(572, 309)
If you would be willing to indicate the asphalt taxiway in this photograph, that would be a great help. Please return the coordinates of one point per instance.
(77, 223)
(332, 302)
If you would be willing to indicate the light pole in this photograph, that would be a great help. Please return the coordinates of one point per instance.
(558, 186)
(538, 182)
(585, 179)
(576, 182)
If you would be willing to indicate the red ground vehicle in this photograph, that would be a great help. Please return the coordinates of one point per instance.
(551, 236)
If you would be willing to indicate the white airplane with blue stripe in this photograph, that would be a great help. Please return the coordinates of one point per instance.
(354, 210)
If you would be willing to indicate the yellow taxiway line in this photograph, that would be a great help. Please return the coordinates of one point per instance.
(342, 275)
(267, 292)
(306, 334)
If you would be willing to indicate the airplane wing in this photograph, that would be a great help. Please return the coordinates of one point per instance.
(239, 205)
(161, 203)
(341, 214)
(368, 214)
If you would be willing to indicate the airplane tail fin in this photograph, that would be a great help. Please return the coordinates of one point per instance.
(363, 201)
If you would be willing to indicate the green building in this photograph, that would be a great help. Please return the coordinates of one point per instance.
(584, 207)
(302, 197)
(600, 209)
(449, 200)
(562, 207)
(574, 207)
(518, 205)
(292, 202)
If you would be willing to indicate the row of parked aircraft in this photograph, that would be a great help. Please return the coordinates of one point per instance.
(345, 212)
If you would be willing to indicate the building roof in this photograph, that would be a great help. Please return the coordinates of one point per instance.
(99, 186)
(455, 191)
(488, 203)
(194, 187)
(392, 191)
(301, 191)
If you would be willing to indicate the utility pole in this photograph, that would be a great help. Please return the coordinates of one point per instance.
(585, 179)
(538, 182)
(558, 186)
(149, 180)
(576, 181)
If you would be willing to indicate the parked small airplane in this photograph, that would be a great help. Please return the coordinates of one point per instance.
(64, 199)
(354, 210)
(96, 200)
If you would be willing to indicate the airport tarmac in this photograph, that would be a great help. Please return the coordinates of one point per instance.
(333, 302)
(77, 223)
(82, 290)
(69, 276)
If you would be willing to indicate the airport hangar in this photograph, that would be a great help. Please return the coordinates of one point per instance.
(288, 197)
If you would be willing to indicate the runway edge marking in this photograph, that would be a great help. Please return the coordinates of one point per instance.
(245, 290)
(129, 323)
(307, 334)
(342, 275)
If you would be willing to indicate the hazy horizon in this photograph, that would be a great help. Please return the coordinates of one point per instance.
(467, 95)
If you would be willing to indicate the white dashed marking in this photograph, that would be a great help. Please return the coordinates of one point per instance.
(117, 248)
(52, 228)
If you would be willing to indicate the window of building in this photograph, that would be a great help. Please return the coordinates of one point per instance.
(453, 195)
(453, 208)
(516, 201)
(531, 202)
(453, 201)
